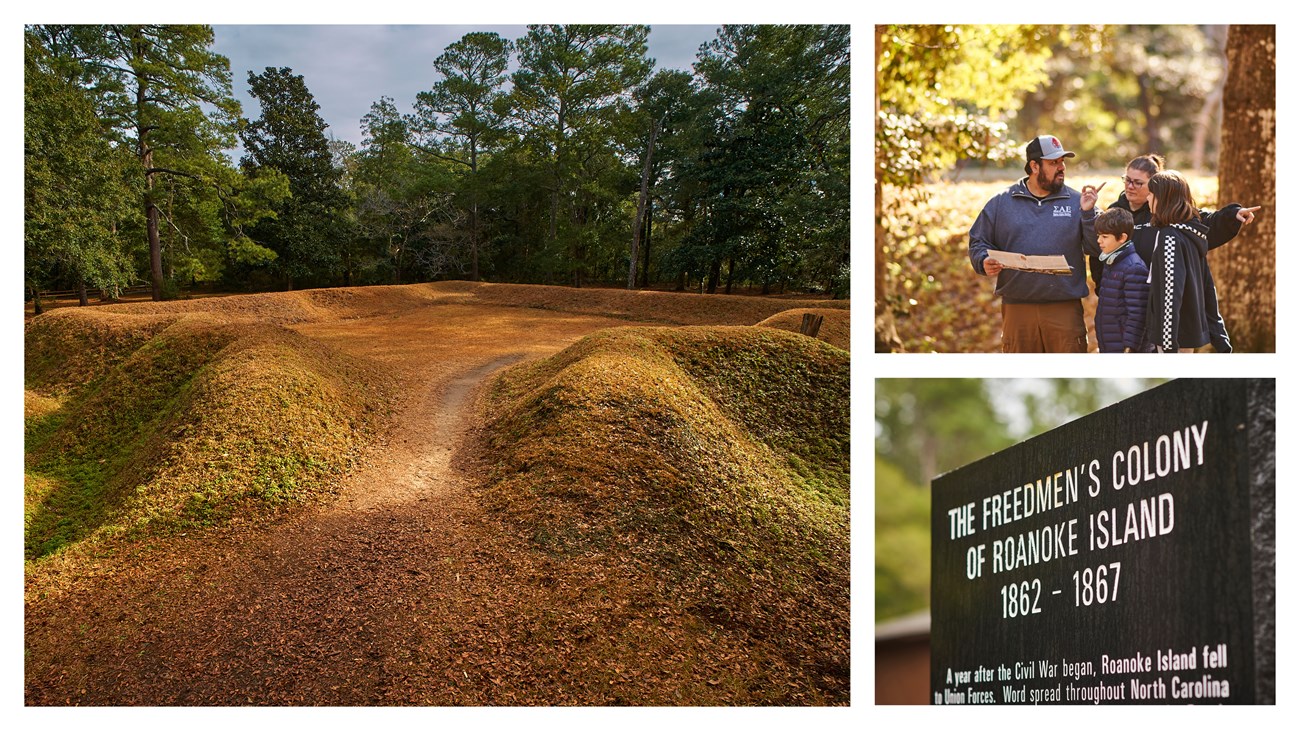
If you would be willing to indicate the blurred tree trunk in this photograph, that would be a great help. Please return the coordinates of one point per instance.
(1213, 101)
(1150, 113)
(1244, 269)
(887, 339)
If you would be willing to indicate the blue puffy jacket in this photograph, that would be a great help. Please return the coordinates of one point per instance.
(1122, 299)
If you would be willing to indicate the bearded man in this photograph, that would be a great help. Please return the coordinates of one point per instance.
(1039, 216)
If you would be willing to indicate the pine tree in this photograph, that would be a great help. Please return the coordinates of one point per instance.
(462, 116)
(290, 137)
(165, 95)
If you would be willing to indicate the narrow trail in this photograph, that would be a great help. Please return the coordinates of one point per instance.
(403, 589)
(418, 466)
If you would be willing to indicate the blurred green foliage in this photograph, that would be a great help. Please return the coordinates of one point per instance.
(928, 426)
(956, 93)
(902, 543)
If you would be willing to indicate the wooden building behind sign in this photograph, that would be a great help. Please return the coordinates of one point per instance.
(903, 660)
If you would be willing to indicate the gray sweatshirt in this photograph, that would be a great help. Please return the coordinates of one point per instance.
(1016, 221)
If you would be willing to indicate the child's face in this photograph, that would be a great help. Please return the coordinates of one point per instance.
(1109, 243)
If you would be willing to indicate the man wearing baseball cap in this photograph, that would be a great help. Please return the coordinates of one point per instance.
(1039, 216)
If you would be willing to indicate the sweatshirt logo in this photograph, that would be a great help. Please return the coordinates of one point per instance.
(1062, 211)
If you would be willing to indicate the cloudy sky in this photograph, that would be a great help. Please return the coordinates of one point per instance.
(349, 67)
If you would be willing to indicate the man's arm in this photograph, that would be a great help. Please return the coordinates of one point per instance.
(1088, 219)
(1088, 232)
(981, 240)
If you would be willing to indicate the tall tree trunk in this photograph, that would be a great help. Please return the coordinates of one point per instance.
(145, 153)
(887, 339)
(155, 244)
(36, 301)
(473, 239)
(1244, 269)
(82, 299)
(578, 252)
(645, 238)
(641, 207)
(473, 209)
(557, 174)
(715, 273)
(152, 215)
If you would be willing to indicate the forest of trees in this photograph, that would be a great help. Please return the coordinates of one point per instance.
(583, 166)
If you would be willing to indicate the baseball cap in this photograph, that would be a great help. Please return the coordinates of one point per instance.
(1046, 147)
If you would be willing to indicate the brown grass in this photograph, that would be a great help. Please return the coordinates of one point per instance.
(186, 423)
(318, 305)
(665, 510)
(707, 467)
(834, 329)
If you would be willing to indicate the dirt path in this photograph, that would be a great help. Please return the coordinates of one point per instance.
(418, 466)
(403, 590)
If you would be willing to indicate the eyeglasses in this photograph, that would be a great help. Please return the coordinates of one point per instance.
(1131, 183)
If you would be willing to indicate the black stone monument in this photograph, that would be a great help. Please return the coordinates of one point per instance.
(1125, 557)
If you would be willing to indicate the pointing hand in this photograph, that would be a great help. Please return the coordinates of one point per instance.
(1089, 196)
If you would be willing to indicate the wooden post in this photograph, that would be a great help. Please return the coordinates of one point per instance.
(811, 324)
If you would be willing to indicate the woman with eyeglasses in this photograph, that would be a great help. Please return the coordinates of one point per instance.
(1222, 225)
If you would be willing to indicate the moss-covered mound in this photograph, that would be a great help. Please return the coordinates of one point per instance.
(154, 423)
(710, 463)
(834, 329)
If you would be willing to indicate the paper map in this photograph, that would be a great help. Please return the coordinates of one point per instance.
(1041, 264)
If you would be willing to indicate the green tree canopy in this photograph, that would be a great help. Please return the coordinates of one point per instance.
(289, 137)
(774, 171)
(569, 95)
(77, 193)
(166, 95)
(463, 115)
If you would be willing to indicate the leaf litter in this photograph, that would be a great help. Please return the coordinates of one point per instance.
(637, 519)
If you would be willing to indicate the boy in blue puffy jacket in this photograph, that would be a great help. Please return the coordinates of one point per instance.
(1123, 295)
